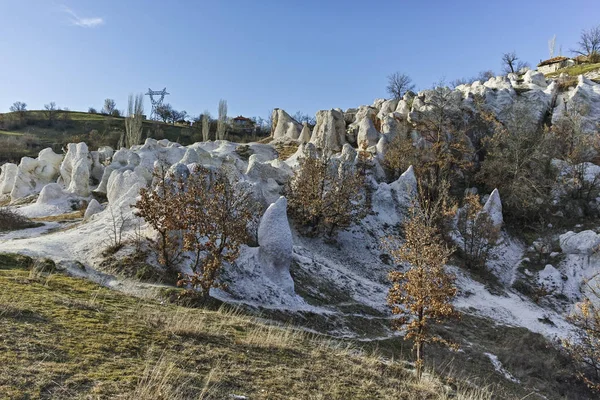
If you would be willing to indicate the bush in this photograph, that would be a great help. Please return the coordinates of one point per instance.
(477, 231)
(326, 195)
(204, 214)
(12, 221)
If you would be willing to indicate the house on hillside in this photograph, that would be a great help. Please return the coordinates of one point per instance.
(242, 122)
(554, 64)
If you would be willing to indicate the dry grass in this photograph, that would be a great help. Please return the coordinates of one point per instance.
(69, 338)
(286, 152)
(72, 216)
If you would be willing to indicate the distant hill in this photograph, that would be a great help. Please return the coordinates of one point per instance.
(25, 134)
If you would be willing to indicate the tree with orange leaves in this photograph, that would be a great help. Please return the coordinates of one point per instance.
(585, 346)
(422, 294)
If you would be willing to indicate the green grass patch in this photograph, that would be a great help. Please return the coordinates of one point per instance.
(69, 338)
(575, 70)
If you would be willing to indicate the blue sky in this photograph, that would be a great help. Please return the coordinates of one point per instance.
(260, 54)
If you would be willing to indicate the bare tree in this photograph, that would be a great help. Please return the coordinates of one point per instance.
(398, 84)
(178, 116)
(511, 63)
(18, 106)
(50, 112)
(164, 112)
(109, 107)
(206, 126)
(222, 121)
(134, 120)
(589, 44)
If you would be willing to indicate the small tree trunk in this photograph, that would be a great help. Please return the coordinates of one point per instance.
(419, 362)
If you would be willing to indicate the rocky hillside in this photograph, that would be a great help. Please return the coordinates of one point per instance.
(508, 334)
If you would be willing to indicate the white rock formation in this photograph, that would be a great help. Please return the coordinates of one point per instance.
(30, 176)
(275, 169)
(387, 107)
(405, 189)
(51, 194)
(583, 99)
(8, 174)
(75, 169)
(330, 131)
(123, 188)
(585, 242)
(367, 133)
(305, 134)
(276, 245)
(359, 115)
(93, 208)
(493, 208)
(284, 126)
(123, 160)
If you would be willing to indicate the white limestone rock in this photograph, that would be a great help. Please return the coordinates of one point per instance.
(52, 194)
(52, 161)
(284, 126)
(405, 189)
(30, 176)
(8, 174)
(585, 242)
(276, 245)
(124, 187)
(493, 208)
(261, 171)
(387, 107)
(75, 169)
(122, 160)
(367, 133)
(97, 167)
(585, 98)
(190, 157)
(353, 128)
(93, 208)
(384, 205)
(330, 131)
(535, 79)
(305, 134)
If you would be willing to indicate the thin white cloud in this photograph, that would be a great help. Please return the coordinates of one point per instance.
(83, 22)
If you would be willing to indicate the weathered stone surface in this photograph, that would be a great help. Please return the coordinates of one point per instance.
(276, 245)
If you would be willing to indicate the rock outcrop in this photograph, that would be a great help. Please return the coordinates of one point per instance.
(305, 134)
(367, 133)
(276, 245)
(493, 208)
(330, 131)
(284, 126)
(75, 169)
(585, 242)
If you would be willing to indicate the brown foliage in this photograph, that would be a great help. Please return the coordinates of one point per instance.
(159, 206)
(478, 233)
(326, 195)
(585, 347)
(204, 214)
(216, 215)
(421, 295)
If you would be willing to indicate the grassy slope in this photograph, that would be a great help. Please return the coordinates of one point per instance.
(80, 124)
(575, 70)
(63, 337)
